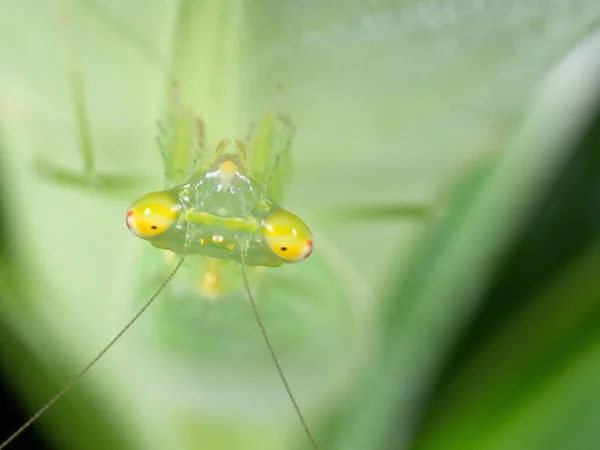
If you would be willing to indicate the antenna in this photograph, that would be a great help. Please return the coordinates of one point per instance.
(80, 375)
(273, 355)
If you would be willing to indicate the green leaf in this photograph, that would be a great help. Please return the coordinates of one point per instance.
(454, 260)
(526, 371)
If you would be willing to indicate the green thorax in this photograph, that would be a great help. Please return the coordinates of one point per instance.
(224, 208)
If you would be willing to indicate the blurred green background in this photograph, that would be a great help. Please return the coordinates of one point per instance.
(474, 326)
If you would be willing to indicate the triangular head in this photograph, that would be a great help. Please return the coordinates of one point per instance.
(227, 214)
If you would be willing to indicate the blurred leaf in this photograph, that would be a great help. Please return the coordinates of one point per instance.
(23, 362)
(533, 349)
(456, 257)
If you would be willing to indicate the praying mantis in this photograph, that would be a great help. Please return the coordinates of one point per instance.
(224, 249)
(225, 210)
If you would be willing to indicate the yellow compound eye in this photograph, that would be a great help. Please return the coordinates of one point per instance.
(153, 214)
(287, 236)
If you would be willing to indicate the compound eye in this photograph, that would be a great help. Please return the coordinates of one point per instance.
(153, 214)
(287, 236)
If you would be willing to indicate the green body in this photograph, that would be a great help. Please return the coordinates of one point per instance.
(223, 212)
(225, 201)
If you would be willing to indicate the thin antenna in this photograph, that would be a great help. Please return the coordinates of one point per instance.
(104, 350)
(273, 355)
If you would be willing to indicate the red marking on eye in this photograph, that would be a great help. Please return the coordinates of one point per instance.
(128, 218)
(309, 245)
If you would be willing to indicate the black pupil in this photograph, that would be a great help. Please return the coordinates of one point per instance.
(153, 227)
(283, 249)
